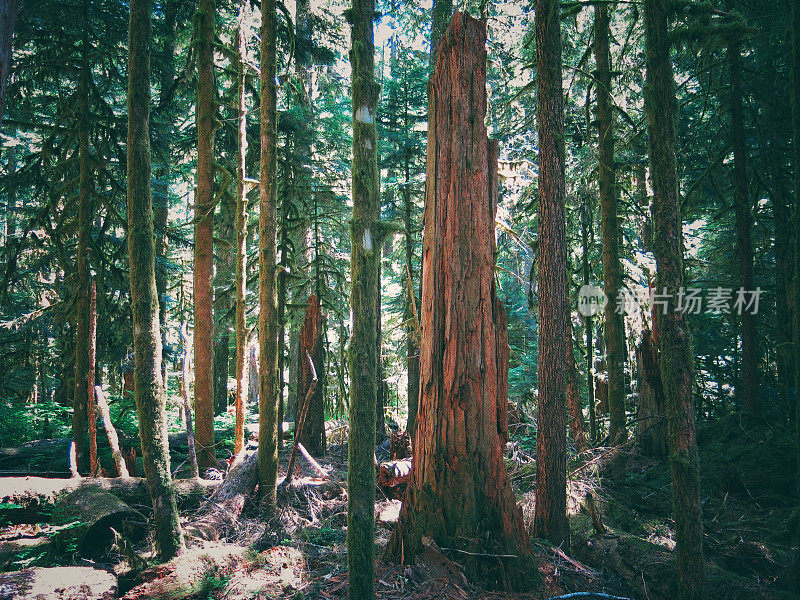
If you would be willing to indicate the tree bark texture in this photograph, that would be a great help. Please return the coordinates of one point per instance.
(365, 236)
(651, 417)
(267, 241)
(614, 326)
(440, 19)
(313, 434)
(149, 392)
(744, 223)
(203, 237)
(241, 238)
(550, 516)
(673, 332)
(459, 491)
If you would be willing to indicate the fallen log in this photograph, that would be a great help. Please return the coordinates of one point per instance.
(58, 583)
(219, 515)
(91, 516)
(51, 457)
(35, 494)
(189, 574)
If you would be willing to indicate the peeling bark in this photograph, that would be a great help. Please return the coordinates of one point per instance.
(313, 434)
(459, 492)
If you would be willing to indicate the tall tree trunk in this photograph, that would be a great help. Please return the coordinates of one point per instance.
(91, 412)
(576, 423)
(223, 300)
(364, 269)
(614, 326)
(409, 308)
(283, 267)
(150, 397)
(380, 397)
(8, 15)
(85, 219)
(241, 236)
(161, 192)
(588, 321)
(267, 240)
(550, 518)
(440, 19)
(313, 434)
(744, 246)
(459, 490)
(674, 337)
(203, 238)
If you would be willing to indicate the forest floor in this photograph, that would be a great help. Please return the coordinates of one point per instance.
(747, 474)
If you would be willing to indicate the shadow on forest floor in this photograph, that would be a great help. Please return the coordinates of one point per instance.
(747, 475)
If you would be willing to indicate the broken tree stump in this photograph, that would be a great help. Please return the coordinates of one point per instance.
(459, 495)
(220, 513)
(95, 513)
(311, 430)
(393, 477)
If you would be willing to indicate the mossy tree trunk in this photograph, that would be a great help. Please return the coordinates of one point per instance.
(550, 517)
(267, 241)
(85, 220)
(673, 332)
(149, 392)
(241, 236)
(203, 237)
(748, 391)
(364, 269)
(459, 490)
(614, 326)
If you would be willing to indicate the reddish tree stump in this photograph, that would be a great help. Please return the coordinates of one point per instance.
(459, 493)
(312, 435)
